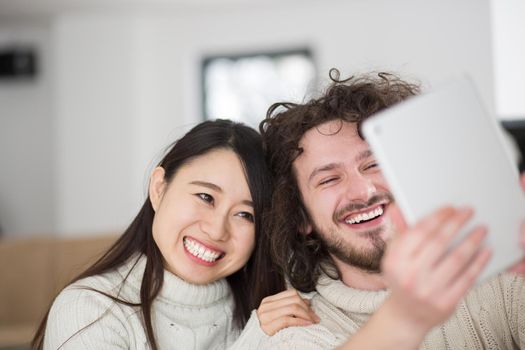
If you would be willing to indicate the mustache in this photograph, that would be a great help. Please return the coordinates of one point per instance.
(359, 205)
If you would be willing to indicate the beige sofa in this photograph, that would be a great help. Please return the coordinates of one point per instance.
(32, 272)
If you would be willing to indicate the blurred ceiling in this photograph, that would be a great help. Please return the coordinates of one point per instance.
(23, 8)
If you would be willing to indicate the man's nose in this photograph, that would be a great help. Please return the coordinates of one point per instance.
(360, 188)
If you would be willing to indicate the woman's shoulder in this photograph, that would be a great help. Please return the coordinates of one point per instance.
(92, 287)
(87, 305)
(88, 296)
(122, 282)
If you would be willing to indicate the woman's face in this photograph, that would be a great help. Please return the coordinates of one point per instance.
(204, 218)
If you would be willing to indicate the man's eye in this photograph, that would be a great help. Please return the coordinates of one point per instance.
(246, 215)
(326, 181)
(205, 197)
(371, 166)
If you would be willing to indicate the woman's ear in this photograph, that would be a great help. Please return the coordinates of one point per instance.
(157, 186)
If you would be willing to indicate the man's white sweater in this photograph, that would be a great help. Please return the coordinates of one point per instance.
(492, 316)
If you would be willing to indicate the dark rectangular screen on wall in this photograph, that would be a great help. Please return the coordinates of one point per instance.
(17, 63)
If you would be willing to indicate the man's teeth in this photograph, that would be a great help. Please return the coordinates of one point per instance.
(200, 251)
(365, 216)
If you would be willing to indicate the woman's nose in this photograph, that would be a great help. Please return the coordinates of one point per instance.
(216, 227)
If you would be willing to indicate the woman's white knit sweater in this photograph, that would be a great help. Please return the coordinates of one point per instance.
(184, 315)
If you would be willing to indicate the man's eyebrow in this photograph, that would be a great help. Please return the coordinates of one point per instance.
(331, 166)
(327, 167)
(364, 155)
(209, 185)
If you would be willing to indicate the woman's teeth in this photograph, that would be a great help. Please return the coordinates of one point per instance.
(365, 216)
(200, 251)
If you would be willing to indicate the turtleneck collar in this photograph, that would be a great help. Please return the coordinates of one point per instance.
(350, 299)
(174, 289)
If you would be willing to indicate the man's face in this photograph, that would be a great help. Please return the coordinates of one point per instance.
(345, 194)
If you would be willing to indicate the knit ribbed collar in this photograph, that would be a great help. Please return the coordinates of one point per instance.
(174, 289)
(350, 299)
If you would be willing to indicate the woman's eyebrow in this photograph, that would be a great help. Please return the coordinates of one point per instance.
(209, 185)
(247, 202)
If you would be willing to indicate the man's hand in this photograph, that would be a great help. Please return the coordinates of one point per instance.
(426, 277)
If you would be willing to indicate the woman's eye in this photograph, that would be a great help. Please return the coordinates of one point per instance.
(246, 215)
(205, 197)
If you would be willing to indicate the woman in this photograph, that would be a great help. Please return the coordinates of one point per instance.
(181, 274)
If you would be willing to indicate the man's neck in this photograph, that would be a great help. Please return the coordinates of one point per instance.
(357, 278)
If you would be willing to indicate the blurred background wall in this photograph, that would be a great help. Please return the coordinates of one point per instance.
(118, 80)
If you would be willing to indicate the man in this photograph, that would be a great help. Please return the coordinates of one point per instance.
(332, 217)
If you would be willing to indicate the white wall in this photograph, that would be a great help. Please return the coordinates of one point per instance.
(127, 85)
(96, 90)
(431, 40)
(27, 169)
(509, 57)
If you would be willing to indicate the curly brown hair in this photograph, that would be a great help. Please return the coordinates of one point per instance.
(303, 256)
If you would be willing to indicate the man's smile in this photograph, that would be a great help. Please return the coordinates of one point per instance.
(368, 215)
(365, 218)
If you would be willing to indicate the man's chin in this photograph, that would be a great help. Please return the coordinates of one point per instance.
(364, 250)
(368, 261)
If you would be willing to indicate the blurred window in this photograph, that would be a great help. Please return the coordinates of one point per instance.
(242, 87)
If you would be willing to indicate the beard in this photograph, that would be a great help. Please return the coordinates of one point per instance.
(365, 259)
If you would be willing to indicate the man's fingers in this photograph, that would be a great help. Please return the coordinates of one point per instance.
(418, 235)
(411, 255)
(465, 280)
(439, 243)
(458, 259)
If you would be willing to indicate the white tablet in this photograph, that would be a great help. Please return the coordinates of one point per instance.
(443, 148)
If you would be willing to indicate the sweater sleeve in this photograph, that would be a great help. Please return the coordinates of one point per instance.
(84, 319)
(513, 287)
(314, 337)
(252, 336)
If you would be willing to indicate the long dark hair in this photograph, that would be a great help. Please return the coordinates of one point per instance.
(250, 284)
(301, 257)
